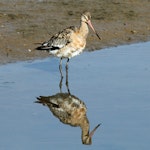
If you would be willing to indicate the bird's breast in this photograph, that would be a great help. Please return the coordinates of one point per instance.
(74, 47)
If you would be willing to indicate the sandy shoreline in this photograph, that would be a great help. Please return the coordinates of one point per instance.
(23, 24)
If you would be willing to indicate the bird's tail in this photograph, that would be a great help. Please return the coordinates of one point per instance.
(46, 101)
(42, 100)
(44, 46)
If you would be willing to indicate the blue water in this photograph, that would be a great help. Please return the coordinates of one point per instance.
(114, 83)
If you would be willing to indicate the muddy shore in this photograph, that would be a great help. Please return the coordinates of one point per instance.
(24, 24)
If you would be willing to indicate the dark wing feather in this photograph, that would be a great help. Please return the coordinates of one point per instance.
(54, 107)
(59, 40)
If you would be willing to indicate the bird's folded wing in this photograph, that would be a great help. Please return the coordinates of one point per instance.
(61, 39)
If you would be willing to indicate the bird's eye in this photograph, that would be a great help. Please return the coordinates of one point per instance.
(86, 18)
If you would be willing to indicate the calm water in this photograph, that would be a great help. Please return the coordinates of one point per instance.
(114, 84)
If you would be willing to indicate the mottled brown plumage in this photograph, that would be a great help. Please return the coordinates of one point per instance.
(70, 41)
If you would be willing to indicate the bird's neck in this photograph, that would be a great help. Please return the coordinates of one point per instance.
(85, 129)
(83, 29)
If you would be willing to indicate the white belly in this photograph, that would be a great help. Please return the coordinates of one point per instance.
(66, 53)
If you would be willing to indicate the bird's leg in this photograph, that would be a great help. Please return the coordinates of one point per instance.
(67, 85)
(61, 79)
(60, 68)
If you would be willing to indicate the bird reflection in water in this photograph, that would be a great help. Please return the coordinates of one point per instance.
(61, 79)
(69, 110)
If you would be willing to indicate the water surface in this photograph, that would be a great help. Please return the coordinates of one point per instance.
(114, 84)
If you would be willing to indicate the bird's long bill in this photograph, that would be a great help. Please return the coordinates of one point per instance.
(92, 132)
(90, 24)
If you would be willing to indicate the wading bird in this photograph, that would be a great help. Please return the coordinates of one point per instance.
(70, 41)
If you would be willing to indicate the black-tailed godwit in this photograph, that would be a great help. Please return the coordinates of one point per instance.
(70, 41)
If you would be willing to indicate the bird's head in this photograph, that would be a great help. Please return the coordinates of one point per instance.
(87, 139)
(86, 17)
